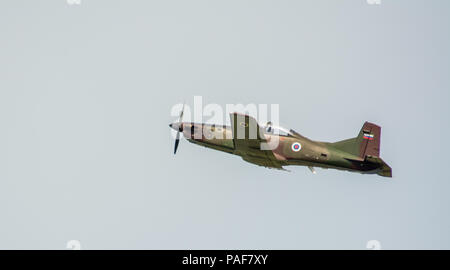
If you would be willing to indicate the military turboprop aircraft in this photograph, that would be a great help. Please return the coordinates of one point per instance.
(245, 138)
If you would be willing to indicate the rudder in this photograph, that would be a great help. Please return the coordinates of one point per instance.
(369, 140)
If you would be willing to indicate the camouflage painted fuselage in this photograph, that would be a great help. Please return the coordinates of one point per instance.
(292, 149)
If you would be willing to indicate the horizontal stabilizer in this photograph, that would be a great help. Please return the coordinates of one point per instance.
(384, 169)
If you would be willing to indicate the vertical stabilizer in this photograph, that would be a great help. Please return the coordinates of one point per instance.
(367, 143)
(369, 140)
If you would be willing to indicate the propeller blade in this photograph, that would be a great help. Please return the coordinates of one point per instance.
(176, 146)
(180, 129)
(181, 114)
(177, 141)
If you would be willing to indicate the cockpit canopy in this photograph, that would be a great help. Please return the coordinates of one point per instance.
(276, 130)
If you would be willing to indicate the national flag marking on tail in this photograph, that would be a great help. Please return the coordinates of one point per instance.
(368, 136)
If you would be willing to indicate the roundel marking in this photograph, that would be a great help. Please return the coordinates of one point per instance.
(296, 147)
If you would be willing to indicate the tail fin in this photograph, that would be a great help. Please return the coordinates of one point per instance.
(369, 139)
(366, 146)
(367, 143)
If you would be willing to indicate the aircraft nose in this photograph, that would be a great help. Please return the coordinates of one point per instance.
(175, 126)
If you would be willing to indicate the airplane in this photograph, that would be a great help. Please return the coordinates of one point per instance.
(245, 138)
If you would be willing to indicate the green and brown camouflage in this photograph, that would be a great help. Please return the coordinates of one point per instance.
(245, 138)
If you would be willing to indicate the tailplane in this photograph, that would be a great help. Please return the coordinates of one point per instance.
(384, 169)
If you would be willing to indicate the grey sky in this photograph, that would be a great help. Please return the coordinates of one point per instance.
(86, 151)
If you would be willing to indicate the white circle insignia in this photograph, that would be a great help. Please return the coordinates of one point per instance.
(296, 147)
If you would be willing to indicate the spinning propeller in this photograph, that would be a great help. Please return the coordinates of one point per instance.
(179, 124)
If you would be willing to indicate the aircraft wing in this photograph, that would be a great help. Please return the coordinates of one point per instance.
(246, 132)
(247, 138)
